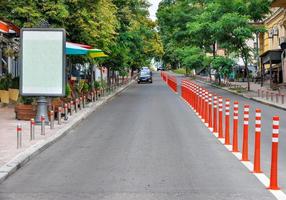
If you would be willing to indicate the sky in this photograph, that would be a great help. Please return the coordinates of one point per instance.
(153, 8)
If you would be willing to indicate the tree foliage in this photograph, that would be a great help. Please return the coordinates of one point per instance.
(121, 28)
(192, 24)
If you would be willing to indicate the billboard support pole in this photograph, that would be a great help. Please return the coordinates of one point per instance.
(42, 110)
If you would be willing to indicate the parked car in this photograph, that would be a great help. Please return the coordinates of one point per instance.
(145, 76)
(160, 68)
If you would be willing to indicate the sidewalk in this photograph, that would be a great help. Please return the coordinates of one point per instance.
(12, 158)
(257, 93)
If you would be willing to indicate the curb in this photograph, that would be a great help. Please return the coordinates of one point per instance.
(24, 157)
(250, 98)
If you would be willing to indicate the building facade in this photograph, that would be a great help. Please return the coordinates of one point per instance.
(271, 53)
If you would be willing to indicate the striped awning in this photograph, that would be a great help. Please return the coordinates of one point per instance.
(81, 49)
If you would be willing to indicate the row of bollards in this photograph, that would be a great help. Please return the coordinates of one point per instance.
(68, 109)
(198, 97)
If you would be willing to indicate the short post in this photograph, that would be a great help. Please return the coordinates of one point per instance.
(72, 108)
(59, 115)
(52, 118)
(69, 108)
(258, 92)
(19, 136)
(43, 125)
(215, 115)
(220, 127)
(80, 103)
(210, 112)
(84, 101)
(227, 123)
(235, 128)
(256, 166)
(32, 129)
(76, 105)
(277, 98)
(274, 155)
(66, 112)
(267, 95)
(245, 133)
(262, 94)
(92, 97)
(271, 96)
(282, 98)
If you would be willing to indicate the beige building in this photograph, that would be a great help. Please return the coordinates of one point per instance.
(272, 67)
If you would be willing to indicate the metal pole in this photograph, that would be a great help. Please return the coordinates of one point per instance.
(66, 112)
(43, 125)
(52, 117)
(32, 129)
(72, 107)
(60, 115)
(42, 110)
(19, 136)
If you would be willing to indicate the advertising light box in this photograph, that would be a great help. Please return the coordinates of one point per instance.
(42, 62)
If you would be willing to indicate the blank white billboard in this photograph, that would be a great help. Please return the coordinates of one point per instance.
(42, 62)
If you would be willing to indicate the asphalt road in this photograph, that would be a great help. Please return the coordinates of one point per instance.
(146, 144)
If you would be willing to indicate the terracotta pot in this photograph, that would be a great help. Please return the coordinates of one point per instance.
(25, 112)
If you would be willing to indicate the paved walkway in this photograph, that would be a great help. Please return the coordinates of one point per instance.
(8, 136)
(258, 93)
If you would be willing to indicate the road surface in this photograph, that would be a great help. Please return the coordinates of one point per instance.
(146, 144)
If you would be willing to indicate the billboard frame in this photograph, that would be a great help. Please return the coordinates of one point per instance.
(63, 62)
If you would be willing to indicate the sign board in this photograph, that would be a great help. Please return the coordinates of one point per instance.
(42, 62)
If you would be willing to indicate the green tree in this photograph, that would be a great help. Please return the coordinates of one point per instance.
(223, 66)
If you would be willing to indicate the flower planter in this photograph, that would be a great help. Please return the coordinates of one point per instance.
(14, 94)
(4, 96)
(25, 112)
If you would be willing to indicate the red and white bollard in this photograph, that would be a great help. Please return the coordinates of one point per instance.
(235, 128)
(200, 102)
(66, 111)
(245, 134)
(227, 122)
(215, 115)
(210, 120)
(220, 108)
(19, 136)
(203, 106)
(59, 115)
(32, 129)
(43, 123)
(76, 105)
(207, 108)
(256, 166)
(274, 156)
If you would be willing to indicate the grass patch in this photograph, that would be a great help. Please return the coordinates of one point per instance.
(180, 71)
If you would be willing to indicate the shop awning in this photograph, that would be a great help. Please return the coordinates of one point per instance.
(96, 53)
(82, 49)
(73, 49)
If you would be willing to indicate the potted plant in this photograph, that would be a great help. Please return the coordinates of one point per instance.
(5, 83)
(14, 89)
(26, 108)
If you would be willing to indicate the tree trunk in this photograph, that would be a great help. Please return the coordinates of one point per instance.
(247, 76)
